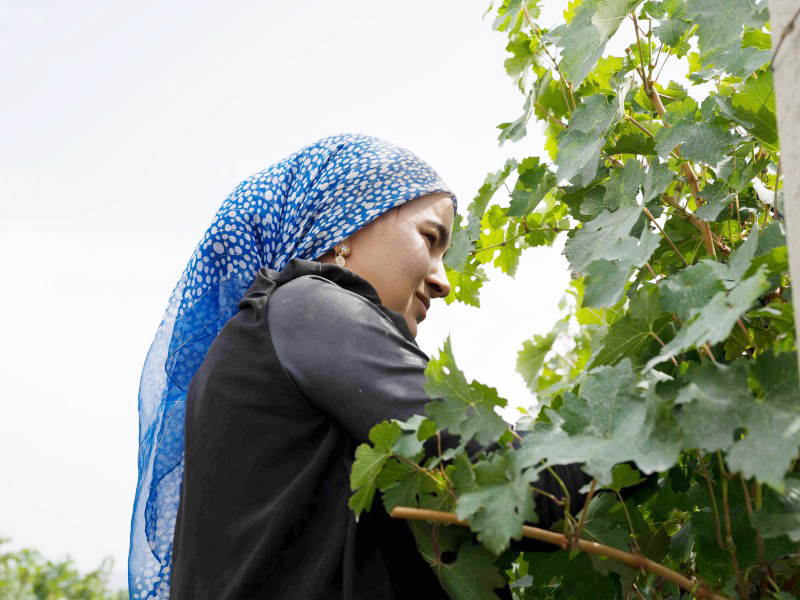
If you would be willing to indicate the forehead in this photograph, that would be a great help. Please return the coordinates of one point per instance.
(433, 206)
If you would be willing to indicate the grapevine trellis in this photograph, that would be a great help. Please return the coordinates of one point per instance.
(672, 378)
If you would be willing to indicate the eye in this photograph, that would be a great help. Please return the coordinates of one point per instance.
(430, 237)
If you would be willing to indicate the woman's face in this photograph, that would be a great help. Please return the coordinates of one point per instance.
(401, 252)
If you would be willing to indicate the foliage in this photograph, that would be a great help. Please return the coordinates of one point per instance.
(26, 575)
(672, 377)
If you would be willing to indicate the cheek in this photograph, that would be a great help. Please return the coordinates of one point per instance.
(410, 271)
(417, 268)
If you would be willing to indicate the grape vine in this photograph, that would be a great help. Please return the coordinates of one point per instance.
(672, 377)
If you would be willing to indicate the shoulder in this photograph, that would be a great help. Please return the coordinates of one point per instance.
(311, 297)
(316, 309)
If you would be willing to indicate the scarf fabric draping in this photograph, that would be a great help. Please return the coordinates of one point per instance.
(298, 208)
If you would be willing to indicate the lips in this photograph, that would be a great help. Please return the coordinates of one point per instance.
(425, 304)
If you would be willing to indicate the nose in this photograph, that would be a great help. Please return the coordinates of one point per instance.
(437, 280)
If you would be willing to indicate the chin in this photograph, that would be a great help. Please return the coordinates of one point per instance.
(412, 326)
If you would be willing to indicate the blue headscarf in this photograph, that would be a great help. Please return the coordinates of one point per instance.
(298, 208)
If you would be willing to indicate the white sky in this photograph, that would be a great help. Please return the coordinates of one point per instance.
(123, 126)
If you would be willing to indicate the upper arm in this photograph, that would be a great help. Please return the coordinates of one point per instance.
(345, 355)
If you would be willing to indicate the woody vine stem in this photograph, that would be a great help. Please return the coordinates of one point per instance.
(635, 561)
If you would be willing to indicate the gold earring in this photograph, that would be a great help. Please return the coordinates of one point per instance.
(345, 251)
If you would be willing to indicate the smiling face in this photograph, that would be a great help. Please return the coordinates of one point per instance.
(401, 252)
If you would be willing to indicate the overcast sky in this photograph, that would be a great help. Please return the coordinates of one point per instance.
(123, 126)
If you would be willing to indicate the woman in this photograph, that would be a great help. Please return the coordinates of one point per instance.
(248, 467)
(284, 395)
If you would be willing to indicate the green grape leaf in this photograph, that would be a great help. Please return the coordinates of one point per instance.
(606, 523)
(550, 96)
(576, 575)
(605, 283)
(580, 145)
(604, 250)
(477, 207)
(508, 255)
(739, 173)
(530, 359)
(736, 59)
(720, 21)
(671, 31)
(756, 38)
(672, 26)
(715, 402)
(654, 9)
(717, 198)
(713, 322)
(690, 289)
(402, 485)
(587, 244)
(770, 238)
(739, 260)
(518, 65)
(706, 140)
(713, 561)
(623, 186)
(623, 476)
(465, 409)
(466, 285)
(755, 104)
(773, 435)
(534, 182)
(369, 462)
(780, 514)
(610, 13)
(472, 576)
(460, 246)
(503, 502)
(606, 424)
(632, 142)
(585, 38)
(725, 106)
(583, 200)
(635, 334)
(657, 180)
(517, 130)
(670, 14)
(604, 71)
(489, 244)
(416, 430)
(511, 14)
(608, 275)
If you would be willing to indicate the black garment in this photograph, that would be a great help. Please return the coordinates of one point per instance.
(289, 388)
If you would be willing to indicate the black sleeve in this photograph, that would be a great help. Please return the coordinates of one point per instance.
(345, 355)
(349, 359)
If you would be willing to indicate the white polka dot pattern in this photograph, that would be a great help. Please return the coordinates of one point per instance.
(298, 208)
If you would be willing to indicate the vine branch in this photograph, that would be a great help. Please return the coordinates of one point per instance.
(707, 477)
(635, 561)
(666, 237)
(553, 60)
(762, 559)
(553, 120)
(730, 544)
(697, 224)
(691, 179)
(513, 237)
(639, 125)
(577, 535)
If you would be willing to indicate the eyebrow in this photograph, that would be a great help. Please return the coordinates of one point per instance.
(444, 235)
